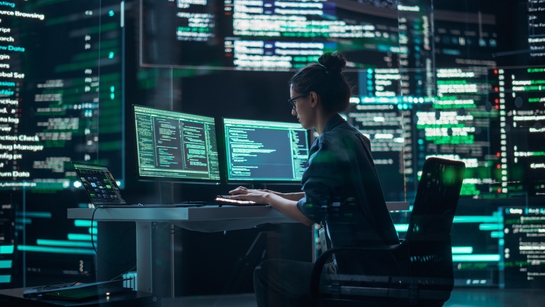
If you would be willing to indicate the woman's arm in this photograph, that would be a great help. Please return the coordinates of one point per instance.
(286, 207)
(290, 196)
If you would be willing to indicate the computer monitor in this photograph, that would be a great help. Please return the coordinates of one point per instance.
(264, 151)
(175, 146)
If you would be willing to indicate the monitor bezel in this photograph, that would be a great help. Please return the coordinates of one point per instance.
(202, 181)
(261, 182)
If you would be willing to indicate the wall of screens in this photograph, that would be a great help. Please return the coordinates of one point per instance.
(484, 107)
(61, 100)
(265, 36)
(459, 79)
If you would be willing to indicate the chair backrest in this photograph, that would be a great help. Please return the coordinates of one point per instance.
(424, 274)
(428, 237)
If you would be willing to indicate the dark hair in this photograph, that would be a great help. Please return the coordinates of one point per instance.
(325, 78)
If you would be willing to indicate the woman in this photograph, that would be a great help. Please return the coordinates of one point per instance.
(340, 186)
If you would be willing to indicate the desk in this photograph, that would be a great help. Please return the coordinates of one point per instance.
(204, 219)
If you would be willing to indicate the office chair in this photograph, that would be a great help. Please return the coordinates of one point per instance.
(424, 273)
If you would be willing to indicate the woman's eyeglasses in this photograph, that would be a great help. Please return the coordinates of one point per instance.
(291, 101)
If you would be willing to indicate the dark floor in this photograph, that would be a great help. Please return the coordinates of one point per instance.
(460, 297)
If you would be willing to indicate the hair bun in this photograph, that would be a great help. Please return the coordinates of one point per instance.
(333, 62)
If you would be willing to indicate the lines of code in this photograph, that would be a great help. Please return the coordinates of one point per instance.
(173, 145)
(523, 248)
(265, 151)
(57, 98)
(257, 35)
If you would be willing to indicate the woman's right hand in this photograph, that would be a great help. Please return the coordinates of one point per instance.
(240, 190)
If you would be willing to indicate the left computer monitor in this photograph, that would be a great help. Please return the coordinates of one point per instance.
(175, 146)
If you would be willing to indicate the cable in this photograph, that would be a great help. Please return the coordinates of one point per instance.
(95, 249)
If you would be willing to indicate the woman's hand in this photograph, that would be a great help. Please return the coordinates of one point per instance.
(256, 195)
(285, 203)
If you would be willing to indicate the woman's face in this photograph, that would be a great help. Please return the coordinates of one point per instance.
(303, 109)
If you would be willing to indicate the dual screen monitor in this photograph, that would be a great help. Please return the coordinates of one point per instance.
(175, 146)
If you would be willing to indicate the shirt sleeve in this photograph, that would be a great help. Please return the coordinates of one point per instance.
(321, 181)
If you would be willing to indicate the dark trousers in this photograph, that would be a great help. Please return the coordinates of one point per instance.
(280, 282)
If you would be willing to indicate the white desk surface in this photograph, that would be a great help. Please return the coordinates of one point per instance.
(205, 219)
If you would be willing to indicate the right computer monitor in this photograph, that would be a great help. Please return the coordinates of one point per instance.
(265, 151)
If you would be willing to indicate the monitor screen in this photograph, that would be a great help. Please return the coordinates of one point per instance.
(176, 146)
(265, 151)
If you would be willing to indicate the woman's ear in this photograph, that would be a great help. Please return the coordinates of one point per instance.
(314, 97)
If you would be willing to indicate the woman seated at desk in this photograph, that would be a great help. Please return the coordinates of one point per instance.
(341, 175)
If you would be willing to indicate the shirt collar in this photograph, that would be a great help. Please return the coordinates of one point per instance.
(333, 122)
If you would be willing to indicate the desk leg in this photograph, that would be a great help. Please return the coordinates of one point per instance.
(144, 256)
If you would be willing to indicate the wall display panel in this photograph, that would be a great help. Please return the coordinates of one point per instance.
(467, 37)
(61, 100)
(61, 90)
(476, 232)
(536, 31)
(457, 125)
(8, 257)
(522, 248)
(520, 97)
(485, 109)
(250, 35)
(461, 120)
(388, 128)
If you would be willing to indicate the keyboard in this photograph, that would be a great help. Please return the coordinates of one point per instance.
(185, 204)
(228, 200)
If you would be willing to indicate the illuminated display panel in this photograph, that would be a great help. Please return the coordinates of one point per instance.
(522, 249)
(521, 100)
(256, 35)
(265, 151)
(176, 146)
(476, 233)
(388, 128)
(61, 94)
(61, 100)
(457, 125)
(8, 259)
(536, 32)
